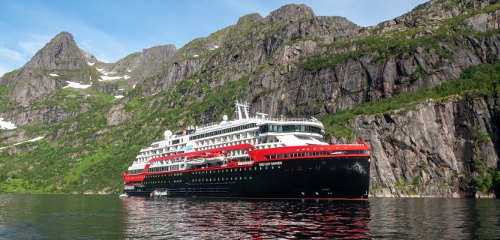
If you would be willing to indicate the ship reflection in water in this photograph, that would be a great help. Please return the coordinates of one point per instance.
(228, 219)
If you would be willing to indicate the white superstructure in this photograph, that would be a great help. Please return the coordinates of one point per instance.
(260, 131)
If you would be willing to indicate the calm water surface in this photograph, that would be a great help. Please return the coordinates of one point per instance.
(110, 217)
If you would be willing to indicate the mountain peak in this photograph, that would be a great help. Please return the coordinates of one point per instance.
(61, 51)
(64, 36)
(59, 58)
(252, 17)
(291, 13)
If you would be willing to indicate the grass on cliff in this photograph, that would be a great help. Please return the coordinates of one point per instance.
(382, 46)
(89, 155)
(486, 178)
(476, 81)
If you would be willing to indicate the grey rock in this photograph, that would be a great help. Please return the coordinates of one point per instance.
(429, 151)
(117, 115)
(33, 81)
(484, 22)
(252, 17)
(139, 66)
(290, 13)
(47, 114)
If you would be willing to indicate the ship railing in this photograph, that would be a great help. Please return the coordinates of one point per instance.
(283, 119)
(210, 125)
(278, 119)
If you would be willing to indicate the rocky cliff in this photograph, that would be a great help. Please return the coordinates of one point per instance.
(290, 62)
(436, 149)
(44, 73)
(141, 65)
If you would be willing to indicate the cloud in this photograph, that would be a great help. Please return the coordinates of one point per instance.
(11, 54)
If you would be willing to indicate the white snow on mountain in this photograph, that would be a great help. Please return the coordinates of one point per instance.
(76, 85)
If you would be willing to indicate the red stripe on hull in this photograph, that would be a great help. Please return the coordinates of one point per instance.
(258, 156)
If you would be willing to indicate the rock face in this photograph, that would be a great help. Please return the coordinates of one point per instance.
(58, 61)
(117, 115)
(434, 149)
(47, 114)
(145, 64)
(251, 46)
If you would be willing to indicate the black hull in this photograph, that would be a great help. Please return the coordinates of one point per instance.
(343, 177)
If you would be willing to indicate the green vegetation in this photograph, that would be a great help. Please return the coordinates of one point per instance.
(479, 137)
(476, 81)
(383, 46)
(90, 155)
(4, 101)
(4, 90)
(487, 179)
(489, 182)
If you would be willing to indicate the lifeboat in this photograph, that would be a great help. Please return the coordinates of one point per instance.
(205, 159)
(196, 160)
(214, 157)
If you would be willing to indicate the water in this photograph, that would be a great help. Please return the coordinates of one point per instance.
(110, 217)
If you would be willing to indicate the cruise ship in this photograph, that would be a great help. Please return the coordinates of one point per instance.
(251, 157)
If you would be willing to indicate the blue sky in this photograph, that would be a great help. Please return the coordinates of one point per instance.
(115, 28)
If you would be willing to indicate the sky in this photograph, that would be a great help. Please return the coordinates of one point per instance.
(112, 29)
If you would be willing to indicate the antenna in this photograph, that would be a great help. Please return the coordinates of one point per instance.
(245, 108)
(242, 109)
(262, 105)
(238, 109)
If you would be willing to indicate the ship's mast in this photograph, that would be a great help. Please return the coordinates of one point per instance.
(242, 110)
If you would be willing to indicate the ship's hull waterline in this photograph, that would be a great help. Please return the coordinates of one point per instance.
(318, 178)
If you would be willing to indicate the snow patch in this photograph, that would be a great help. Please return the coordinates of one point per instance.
(90, 64)
(128, 70)
(121, 89)
(119, 96)
(76, 85)
(6, 125)
(196, 55)
(133, 86)
(106, 78)
(31, 140)
(126, 77)
(54, 75)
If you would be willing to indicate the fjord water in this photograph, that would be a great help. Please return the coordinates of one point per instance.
(110, 217)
